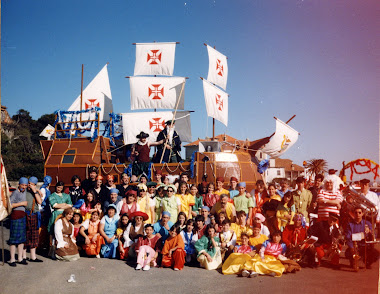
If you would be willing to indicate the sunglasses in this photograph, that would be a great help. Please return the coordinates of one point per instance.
(141, 190)
(170, 190)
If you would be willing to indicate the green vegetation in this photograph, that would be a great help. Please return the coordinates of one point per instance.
(20, 145)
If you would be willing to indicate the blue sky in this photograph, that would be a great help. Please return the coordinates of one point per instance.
(316, 59)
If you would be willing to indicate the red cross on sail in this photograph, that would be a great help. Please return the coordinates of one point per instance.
(154, 57)
(219, 67)
(219, 101)
(91, 103)
(157, 123)
(156, 92)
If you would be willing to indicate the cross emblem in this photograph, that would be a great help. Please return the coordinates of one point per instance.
(156, 92)
(219, 67)
(154, 57)
(219, 102)
(91, 103)
(157, 124)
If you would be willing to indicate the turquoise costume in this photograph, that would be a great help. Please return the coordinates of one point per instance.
(56, 199)
(109, 249)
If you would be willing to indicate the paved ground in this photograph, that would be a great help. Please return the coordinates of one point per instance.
(114, 276)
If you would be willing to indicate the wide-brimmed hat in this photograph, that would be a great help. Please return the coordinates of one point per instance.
(142, 135)
(139, 213)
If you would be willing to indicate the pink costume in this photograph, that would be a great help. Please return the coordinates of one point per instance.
(146, 250)
(245, 249)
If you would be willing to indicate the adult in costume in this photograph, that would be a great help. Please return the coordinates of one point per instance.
(64, 237)
(89, 183)
(33, 219)
(128, 204)
(163, 226)
(76, 192)
(91, 233)
(17, 236)
(108, 226)
(140, 154)
(171, 203)
(58, 202)
(302, 199)
(171, 143)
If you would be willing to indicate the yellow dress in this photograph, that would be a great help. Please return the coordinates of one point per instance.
(238, 229)
(270, 265)
(254, 241)
(144, 204)
(234, 264)
(186, 202)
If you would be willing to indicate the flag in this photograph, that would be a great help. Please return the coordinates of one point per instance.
(154, 122)
(48, 132)
(97, 93)
(157, 92)
(281, 141)
(155, 59)
(217, 68)
(5, 205)
(216, 102)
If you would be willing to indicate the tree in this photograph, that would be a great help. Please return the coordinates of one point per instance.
(20, 145)
(316, 166)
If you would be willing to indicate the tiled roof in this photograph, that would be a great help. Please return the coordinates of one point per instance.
(287, 165)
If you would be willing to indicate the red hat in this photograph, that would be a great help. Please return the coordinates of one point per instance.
(139, 213)
(99, 178)
(109, 177)
(220, 179)
(234, 179)
(158, 172)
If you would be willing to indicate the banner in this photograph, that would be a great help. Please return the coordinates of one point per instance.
(154, 122)
(157, 92)
(5, 205)
(155, 59)
(281, 141)
(48, 132)
(217, 68)
(96, 94)
(216, 102)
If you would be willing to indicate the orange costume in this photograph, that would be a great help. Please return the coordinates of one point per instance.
(93, 229)
(177, 258)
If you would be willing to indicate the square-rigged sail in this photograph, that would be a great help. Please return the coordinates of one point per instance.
(157, 92)
(155, 59)
(216, 102)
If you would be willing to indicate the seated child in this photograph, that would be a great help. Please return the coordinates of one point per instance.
(189, 237)
(234, 264)
(173, 252)
(147, 249)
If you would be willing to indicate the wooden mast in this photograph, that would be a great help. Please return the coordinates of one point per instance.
(81, 96)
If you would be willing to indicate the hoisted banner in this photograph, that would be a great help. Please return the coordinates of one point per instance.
(154, 122)
(217, 68)
(216, 102)
(281, 141)
(155, 59)
(156, 92)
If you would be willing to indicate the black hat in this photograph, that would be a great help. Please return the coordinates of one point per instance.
(364, 181)
(142, 135)
(332, 171)
(169, 122)
(92, 169)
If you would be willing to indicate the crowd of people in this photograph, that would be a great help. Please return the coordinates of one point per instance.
(270, 230)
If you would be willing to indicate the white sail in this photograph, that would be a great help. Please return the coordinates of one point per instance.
(154, 122)
(155, 59)
(156, 92)
(97, 93)
(218, 68)
(216, 102)
(281, 141)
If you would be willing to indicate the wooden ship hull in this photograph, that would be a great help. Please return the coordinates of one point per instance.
(67, 157)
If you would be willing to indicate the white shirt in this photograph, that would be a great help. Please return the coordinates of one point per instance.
(193, 240)
(120, 205)
(374, 198)
(58, 227)
(264, 230)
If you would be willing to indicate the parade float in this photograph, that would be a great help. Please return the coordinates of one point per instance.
(76, 140)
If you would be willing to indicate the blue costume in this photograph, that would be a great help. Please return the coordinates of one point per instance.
(158, 228)
(109, 249)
